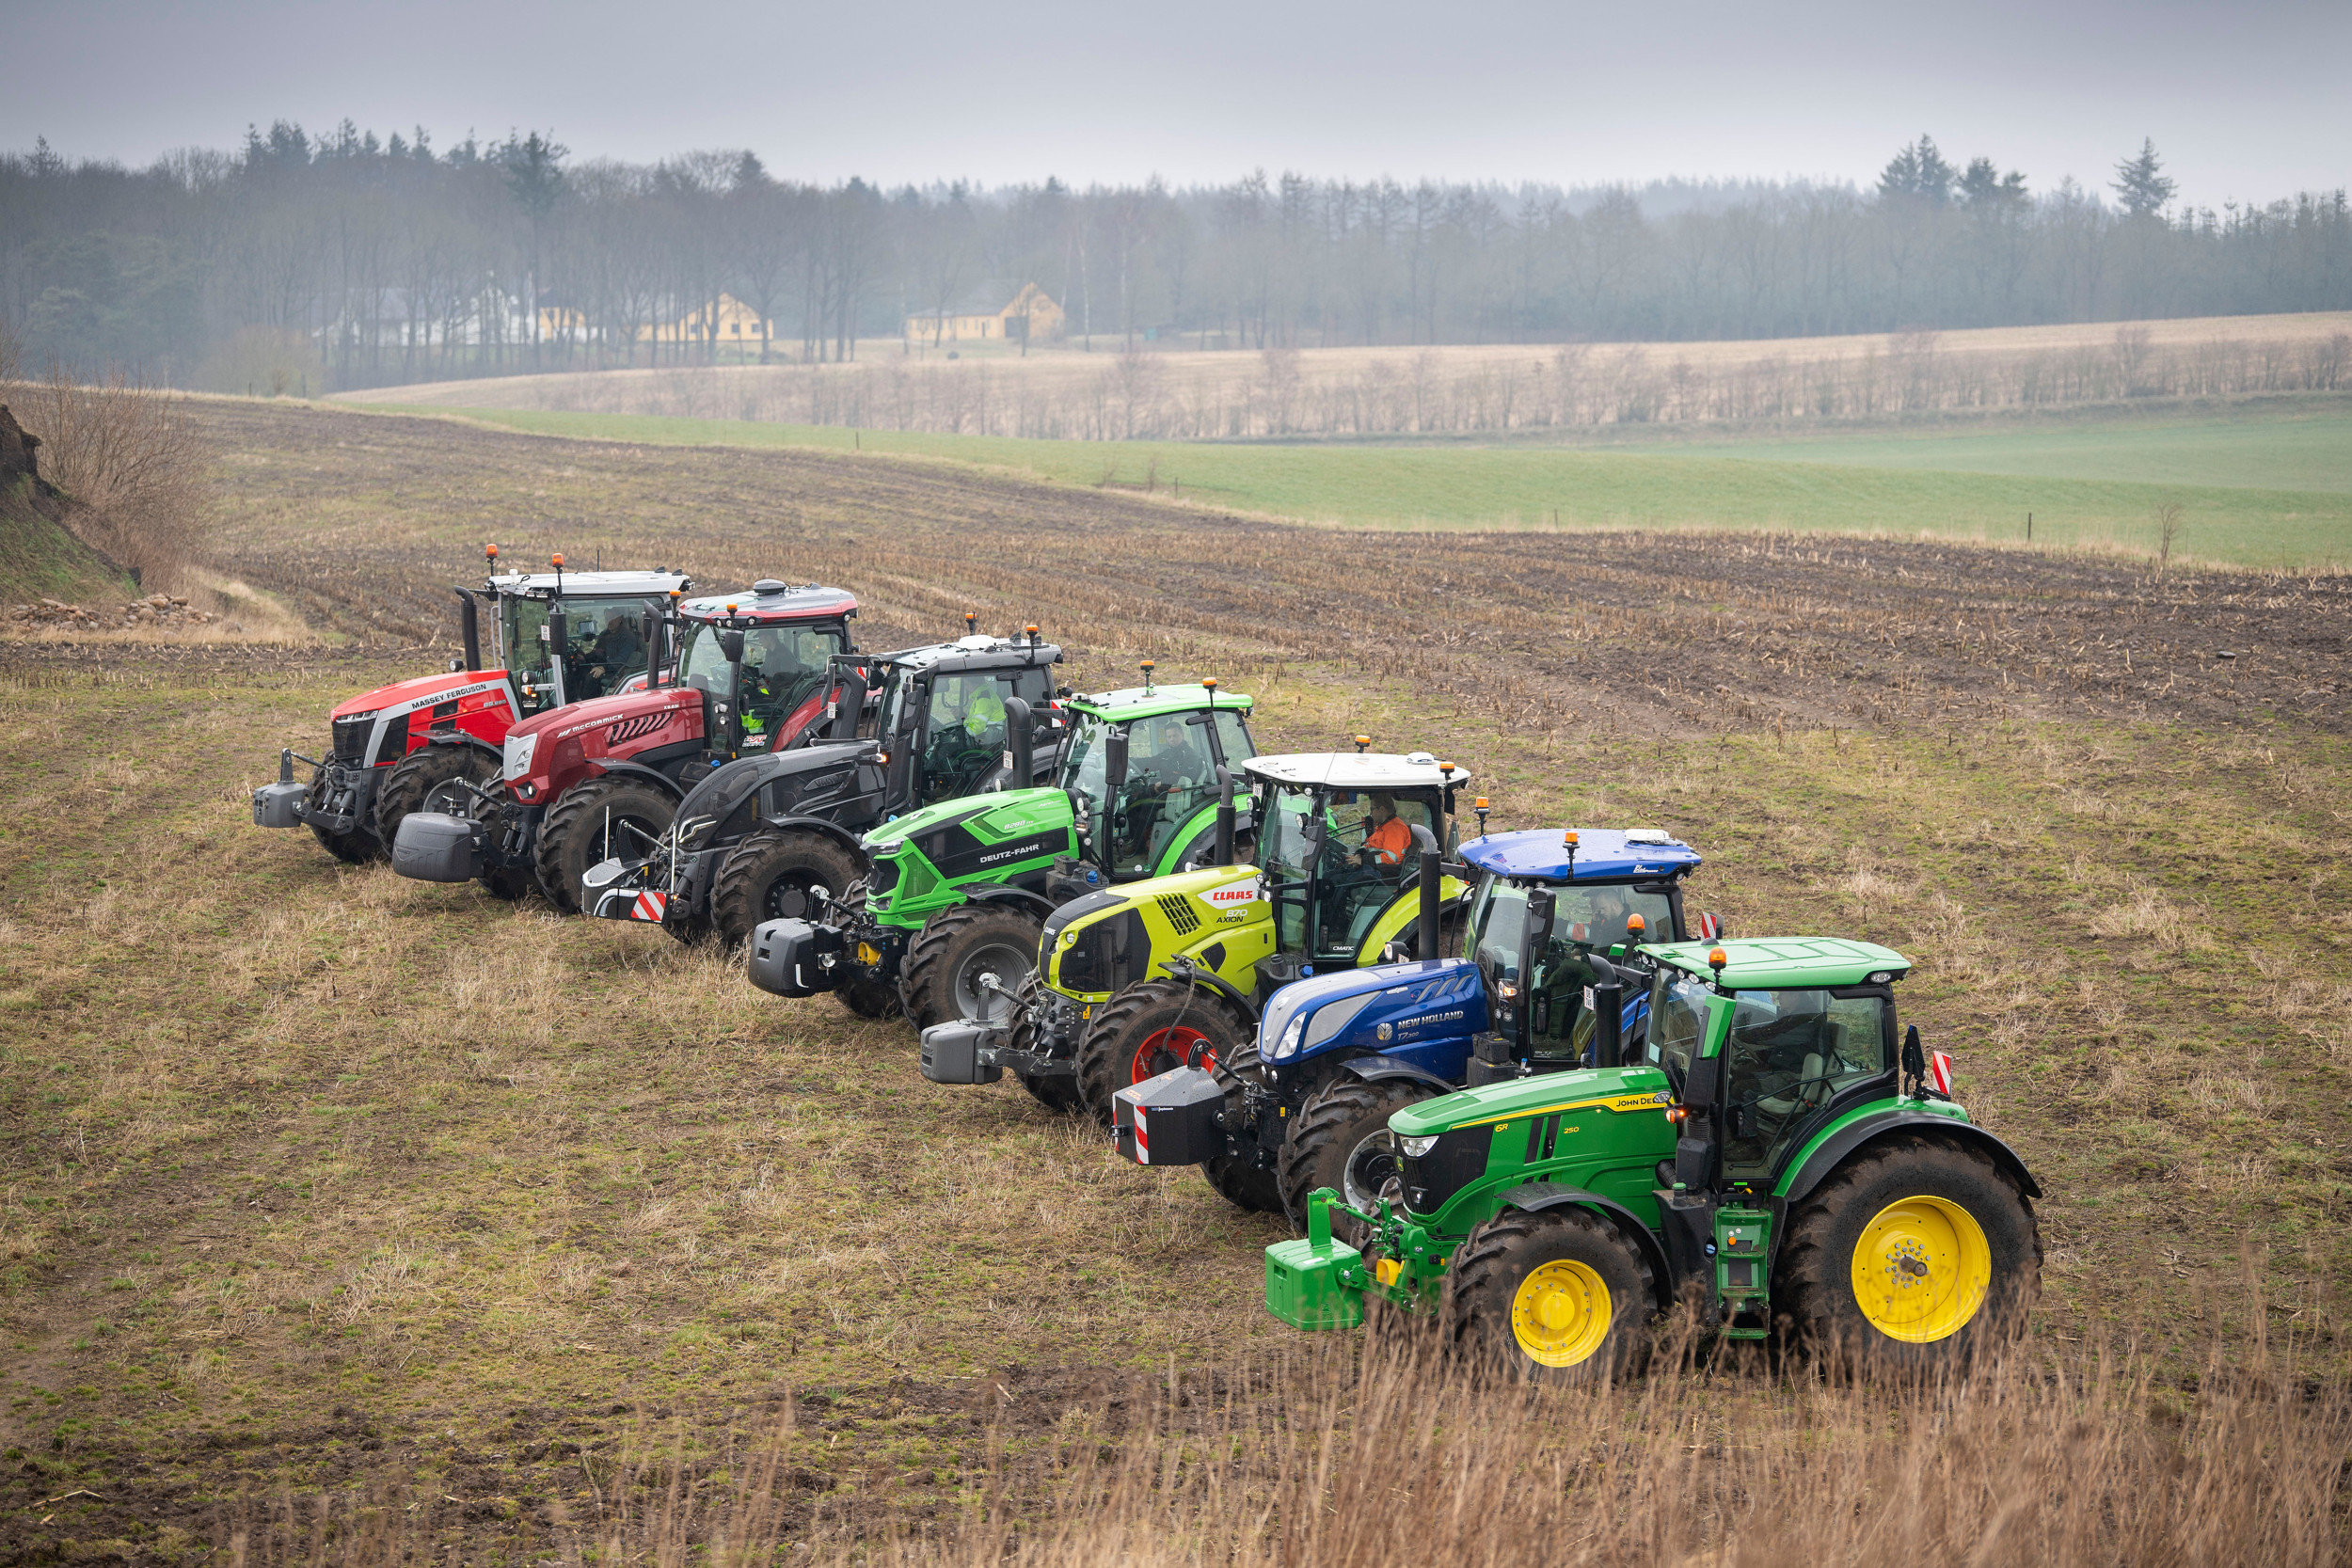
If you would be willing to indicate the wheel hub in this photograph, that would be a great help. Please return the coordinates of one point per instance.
(1920, 1270)
(1164, 1050)
(1560, 1313)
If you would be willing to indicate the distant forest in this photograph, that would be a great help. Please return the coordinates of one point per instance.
(347, 260)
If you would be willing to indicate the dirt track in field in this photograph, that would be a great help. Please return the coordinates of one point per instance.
(365, 519)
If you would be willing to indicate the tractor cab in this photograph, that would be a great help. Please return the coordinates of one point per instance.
(761, 660)
(1145, 764)
(946, 716)
(1542, 906)
(1340, 836)
(600, 616)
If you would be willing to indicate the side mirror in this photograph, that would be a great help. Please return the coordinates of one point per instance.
(559, 633)
(731, 643)
(1020, 741)
(1114, 759)
(1062, 692)
(1541, 907)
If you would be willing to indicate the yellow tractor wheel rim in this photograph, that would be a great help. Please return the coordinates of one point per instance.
(1560, 1313)
(1922, 1269)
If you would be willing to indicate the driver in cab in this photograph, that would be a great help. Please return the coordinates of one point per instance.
(1385, 837)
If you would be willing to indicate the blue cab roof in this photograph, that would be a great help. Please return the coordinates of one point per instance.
(1602, 855)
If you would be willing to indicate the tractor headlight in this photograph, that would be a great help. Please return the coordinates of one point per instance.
(519, 748)
(1415, 1148)
(1288, 1044)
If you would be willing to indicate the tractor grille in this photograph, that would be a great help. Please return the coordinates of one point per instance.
(351, 737)
(1180, 914)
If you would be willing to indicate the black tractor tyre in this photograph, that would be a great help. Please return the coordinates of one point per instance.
(870, 999)
(1339, 1139)
(356, 847)
(426, 780)
(778, 874)
(572, 838)
(1109, 1051)
(511, 883)
(940, 983)
(1237, 1178)
(1482, 1293)
(1813, 1280)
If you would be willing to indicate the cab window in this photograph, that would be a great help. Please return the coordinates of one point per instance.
(1790, 1053)
(964, 733)
(783, 668)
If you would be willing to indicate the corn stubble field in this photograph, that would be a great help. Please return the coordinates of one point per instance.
(350, 1219)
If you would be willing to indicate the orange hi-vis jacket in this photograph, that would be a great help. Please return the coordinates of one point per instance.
(1390, 840)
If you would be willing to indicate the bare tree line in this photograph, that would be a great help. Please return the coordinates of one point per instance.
(308, 263)
(1139, 395)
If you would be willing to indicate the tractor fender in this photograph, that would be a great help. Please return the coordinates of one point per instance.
(1834, 1151)
(1185, 969)
(1535, 1196)
(1019, 897)
(606, 768)
(472, 742)
(833, 830)
(1379, 1070)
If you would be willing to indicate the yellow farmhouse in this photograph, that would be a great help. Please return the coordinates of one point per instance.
(1032, 315)
(731, 321)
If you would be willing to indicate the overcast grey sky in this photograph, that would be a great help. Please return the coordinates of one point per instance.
(2245, 101)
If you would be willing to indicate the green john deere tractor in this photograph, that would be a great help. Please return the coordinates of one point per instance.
(1773, 1150)
(951, 910)
(1173, 970)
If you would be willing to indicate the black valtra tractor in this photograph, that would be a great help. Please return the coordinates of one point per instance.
(777, 836)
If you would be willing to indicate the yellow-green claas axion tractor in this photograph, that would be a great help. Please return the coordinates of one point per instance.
(1173, 969)
(1772, 1150)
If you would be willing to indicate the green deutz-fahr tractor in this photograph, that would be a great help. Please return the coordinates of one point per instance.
(1774, 1151)
(958, 890)
(1173, 970)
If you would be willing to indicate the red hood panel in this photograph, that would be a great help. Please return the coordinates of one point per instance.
(577, 717)
(413, 691)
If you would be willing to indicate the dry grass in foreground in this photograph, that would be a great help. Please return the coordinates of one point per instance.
(1321, 1457)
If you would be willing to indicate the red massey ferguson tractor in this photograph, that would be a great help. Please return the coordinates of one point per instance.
(754, 671)
(401, 748)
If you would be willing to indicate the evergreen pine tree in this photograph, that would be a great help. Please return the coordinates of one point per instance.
(2140, 182)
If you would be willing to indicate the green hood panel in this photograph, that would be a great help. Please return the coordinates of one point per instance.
(1610, 1088)
(991, 819)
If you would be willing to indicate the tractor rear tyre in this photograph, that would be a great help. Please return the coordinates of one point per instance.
(1915, 1255)
(1556, 1296)
(1237, 1179)
(1339, 1139)
(1148, 1028)
(356, 847)
(574, 836)
(426, 779)
(777, 873)
(957, 947)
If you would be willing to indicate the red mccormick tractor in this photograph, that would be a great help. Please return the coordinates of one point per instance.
(398, 749)
(753, 673)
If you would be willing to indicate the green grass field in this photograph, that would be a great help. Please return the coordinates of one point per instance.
(1806, 486)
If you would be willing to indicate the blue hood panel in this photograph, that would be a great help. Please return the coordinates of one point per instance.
(1423, 1012)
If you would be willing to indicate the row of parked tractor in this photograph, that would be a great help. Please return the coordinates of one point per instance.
(1505, 1079)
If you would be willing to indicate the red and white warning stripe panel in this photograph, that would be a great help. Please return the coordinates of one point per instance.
(649, 907)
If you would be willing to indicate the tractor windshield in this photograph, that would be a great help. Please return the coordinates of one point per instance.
(604, 644)
(964, 739)
(1584, 917)
(1336, 858)
(1677, 1023)
(783, 666)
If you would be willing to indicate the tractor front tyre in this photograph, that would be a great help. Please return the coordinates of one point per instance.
(1559, 1296)
(615, 813)
(951, 960)
(355, 847)
(1147, 1029)
(777, 873)
(1339, 1139)
(1914, 1256)
(426, 779)
(509, 883)
(1238, 1180)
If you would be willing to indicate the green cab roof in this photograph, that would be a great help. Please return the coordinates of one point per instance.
(1134, 702)
(1775, 963)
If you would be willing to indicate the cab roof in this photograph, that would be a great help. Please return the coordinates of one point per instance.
(591, 585)
(1778, 963)
(1352, 770)
(1136, 702)
(768, 602)
(977, 652)
(1602, 854)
